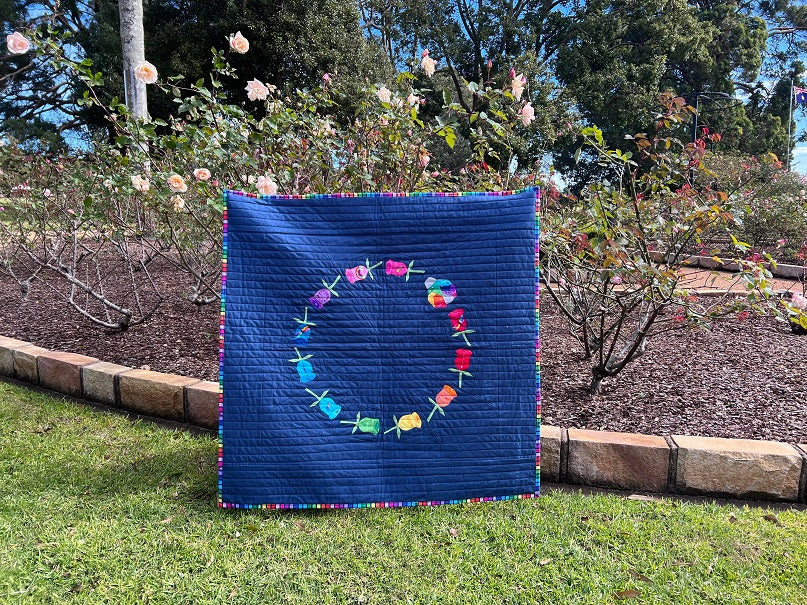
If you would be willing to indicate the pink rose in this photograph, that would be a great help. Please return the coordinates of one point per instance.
(428, 64)
(517, 86)
(266, 186)
(799, 301)
(177, 184)
(384, 94)
(238, 43)
(17, 44)
(145, 72)
(326, 78)
(527, 114)
(201, 174)
(256, 90)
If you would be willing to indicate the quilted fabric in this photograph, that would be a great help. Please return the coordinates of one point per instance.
(379, 349)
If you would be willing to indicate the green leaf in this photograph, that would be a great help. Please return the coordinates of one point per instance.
(447, 132)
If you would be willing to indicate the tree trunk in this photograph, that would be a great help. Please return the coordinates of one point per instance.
(132, 41)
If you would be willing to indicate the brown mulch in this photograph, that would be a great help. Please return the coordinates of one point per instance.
(743, 379)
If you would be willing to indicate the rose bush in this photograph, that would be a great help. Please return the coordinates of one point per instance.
(154, 193)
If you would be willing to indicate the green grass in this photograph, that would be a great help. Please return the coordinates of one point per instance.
(95, 508)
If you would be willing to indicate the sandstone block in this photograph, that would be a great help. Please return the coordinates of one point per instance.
(154, 393)
(203, 404)
(619, 460)
(7, 346)
(707, 262)
(742, 468)
(98, 381)
(791, 271)
(61, 372)
(550, 452)
(25, 367)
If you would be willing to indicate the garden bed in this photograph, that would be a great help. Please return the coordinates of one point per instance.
(743, 379)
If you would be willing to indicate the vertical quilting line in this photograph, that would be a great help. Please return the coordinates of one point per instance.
(380, 213)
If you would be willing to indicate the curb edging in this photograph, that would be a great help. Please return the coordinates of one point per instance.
(675, 464)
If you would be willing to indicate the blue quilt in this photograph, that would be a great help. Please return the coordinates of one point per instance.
(379, 350)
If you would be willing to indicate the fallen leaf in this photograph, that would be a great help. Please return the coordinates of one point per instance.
(584, 518)
(544, 561)
(732, 519)
(299, 525)
(627, 594)
(771, 518)
(454, 533)
(637, 576)
(168, 520)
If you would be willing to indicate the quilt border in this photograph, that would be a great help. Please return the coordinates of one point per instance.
(220, 449)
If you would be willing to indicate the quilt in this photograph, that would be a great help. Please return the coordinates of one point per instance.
(379, 350)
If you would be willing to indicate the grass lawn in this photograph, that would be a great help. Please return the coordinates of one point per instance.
(95, 508)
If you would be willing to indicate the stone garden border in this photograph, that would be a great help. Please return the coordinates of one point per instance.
(708, 262)
(678, 464)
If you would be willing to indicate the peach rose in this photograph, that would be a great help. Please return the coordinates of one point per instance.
(177, 184)
(17, 43)
(145, 72)
(256, 90)
(201, 174)
(139, 183)
(178, 203)
(238, 43)
(266, 186)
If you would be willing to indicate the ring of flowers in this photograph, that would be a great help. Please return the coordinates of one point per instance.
(440, 293)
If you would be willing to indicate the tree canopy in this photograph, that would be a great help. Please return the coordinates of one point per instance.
(601, 62)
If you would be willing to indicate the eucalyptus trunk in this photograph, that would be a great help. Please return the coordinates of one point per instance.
(133, 45)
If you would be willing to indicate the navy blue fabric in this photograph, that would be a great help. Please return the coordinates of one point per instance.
(380, 348)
